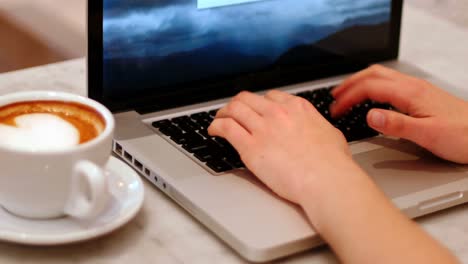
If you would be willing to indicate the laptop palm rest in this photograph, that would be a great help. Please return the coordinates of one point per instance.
(260, 225)
(260, 220)
(405, 168)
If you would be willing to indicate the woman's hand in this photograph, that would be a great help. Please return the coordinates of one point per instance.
(289, 146)
(429, 116)
(283, 140)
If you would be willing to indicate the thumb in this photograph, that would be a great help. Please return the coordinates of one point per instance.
(395, 124)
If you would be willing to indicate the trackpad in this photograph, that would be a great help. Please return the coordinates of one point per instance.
(406, 168)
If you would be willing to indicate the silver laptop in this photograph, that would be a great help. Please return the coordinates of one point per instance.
(165, 67)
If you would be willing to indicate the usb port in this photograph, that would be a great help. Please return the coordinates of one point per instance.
(118, 149)
(147, 172)
(138, 165)
(127, 156)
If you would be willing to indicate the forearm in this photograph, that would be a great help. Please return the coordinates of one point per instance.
(362, 225)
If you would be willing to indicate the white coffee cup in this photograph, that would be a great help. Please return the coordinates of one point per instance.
(54, 183)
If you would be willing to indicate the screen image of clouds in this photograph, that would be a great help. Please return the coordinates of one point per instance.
(221, 3)
(159, 43)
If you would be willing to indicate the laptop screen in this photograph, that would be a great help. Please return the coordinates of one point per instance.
(213, 48)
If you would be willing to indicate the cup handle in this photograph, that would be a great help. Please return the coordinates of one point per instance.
(86, 203)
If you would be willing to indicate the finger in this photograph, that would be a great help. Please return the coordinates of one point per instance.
(233, 132)
(256, 102)
(291, 103)
(383, 91)
(242, 114)
(398, 125)
(374, 71)
(278, 96)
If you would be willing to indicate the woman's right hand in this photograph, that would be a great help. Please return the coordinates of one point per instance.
(428, 116)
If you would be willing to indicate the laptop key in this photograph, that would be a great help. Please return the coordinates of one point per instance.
(193, 142)
(180, 140)
(220, 141)
(218, 165)
(204, 123)
(204, 154)
(177, 120)
(186, 126)
(194, 147)
(235, 161)
(213, 112)
(204, 133)
(171, 130)
(194, 136)
(230, 153)
(194, 124)
(200, 116)
(161, 123)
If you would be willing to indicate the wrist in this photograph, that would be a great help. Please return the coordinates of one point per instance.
(320, 176)
(326, 185)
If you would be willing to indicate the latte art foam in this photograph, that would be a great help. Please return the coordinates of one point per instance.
(48, 125)
(39, 132)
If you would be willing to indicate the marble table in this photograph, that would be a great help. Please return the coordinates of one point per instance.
(164, 233)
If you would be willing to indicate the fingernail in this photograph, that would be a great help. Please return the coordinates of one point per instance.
(377, 119)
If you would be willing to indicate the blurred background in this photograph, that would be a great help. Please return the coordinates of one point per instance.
(37, 32)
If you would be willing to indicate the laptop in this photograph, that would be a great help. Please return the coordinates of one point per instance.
(165, 67)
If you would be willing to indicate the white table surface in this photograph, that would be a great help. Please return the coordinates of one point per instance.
(164, 233)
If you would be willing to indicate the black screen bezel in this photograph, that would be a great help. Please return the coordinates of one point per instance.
(219, 88)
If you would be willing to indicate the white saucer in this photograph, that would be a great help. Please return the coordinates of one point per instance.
(127, 191)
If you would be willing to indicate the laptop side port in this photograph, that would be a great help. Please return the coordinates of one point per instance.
(127, 156)
(118, 149)
(138, 165)
(147, 172)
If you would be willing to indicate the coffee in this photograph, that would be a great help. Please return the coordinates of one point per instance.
(48, 125)
(46, 173)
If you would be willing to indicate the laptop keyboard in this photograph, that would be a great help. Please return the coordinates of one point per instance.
(190, 132)
(353, 124)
